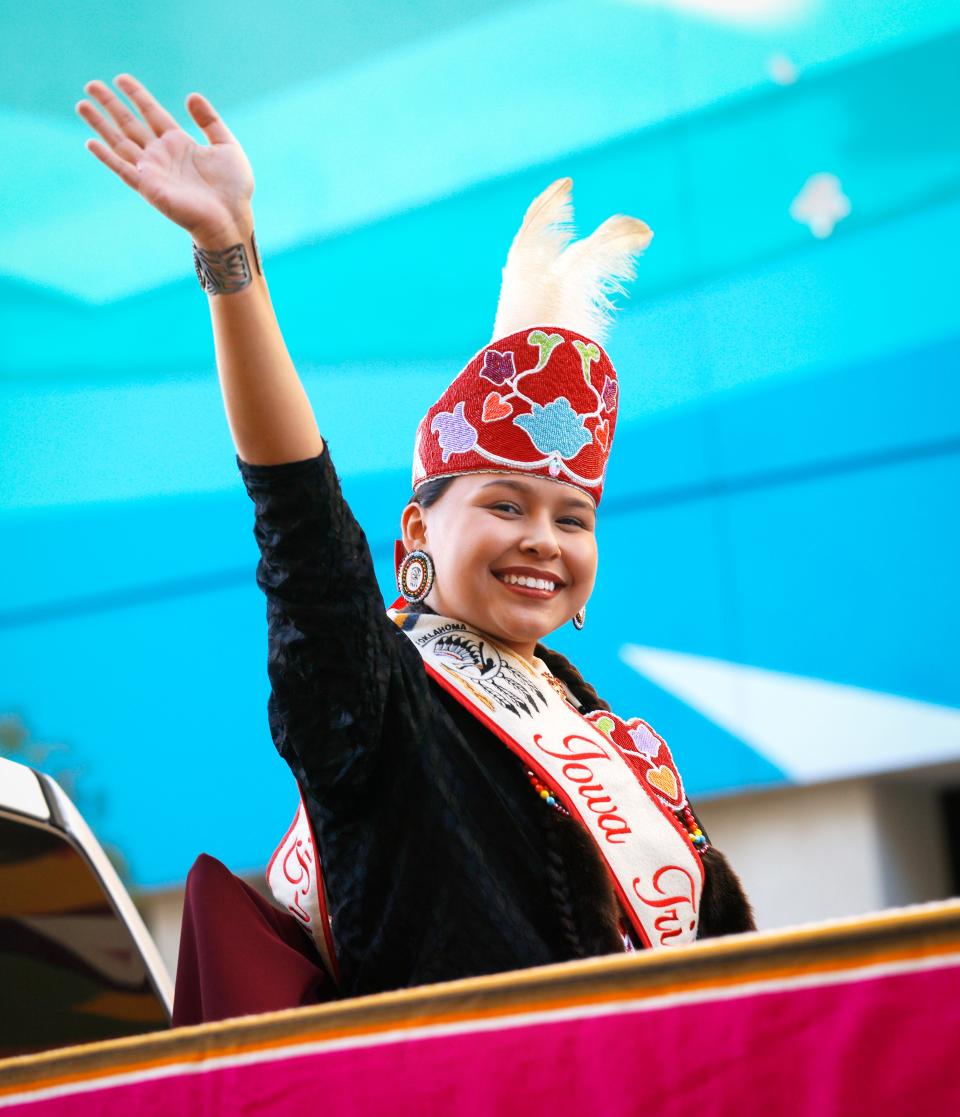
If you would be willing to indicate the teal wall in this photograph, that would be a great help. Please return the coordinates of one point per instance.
(779, 536)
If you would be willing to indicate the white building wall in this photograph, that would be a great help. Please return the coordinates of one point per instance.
(825, 851)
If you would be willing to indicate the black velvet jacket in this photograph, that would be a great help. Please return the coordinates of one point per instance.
(439, 859)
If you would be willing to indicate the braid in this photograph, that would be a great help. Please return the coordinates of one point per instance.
(560, 886)
(565, 671)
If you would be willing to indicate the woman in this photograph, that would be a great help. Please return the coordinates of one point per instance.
(469, 803)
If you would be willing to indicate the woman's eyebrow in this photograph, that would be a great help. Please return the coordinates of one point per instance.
(583, 505)
(519, 486)
(516, 486)
(507, 483)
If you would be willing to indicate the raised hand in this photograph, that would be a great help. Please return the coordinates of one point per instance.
(206, 189)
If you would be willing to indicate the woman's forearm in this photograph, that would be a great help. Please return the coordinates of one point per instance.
(267, 408)
(206, 189)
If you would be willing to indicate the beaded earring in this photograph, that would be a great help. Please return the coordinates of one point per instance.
(415, 576)
(580, 618)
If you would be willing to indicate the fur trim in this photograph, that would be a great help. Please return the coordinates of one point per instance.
(724, 907)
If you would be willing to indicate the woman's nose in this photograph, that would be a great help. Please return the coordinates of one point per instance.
(541, 539)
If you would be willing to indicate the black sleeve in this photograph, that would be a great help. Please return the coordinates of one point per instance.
(332, 651)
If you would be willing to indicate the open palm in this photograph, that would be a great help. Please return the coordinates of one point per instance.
(206, 189)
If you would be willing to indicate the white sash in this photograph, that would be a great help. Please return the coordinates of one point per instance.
(295, 878)
(616, 777)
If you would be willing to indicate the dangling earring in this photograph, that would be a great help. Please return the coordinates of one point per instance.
(580, 617)
(415, 576)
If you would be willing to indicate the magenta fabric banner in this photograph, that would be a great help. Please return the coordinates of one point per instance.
(742, 1029)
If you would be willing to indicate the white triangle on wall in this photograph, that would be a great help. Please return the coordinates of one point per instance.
(811, 728)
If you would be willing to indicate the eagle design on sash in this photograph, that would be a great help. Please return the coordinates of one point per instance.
(484, 667)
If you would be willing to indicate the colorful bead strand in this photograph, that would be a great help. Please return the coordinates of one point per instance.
(694, 833)
(545, 793)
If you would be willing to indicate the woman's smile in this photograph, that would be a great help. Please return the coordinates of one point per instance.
(529, 582)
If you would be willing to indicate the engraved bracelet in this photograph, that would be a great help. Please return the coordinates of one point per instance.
(227, 271)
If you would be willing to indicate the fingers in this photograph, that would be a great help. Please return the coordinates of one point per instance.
(153, 112)
(206, 117)
(130, 124)
(117, 141)
(126, 170)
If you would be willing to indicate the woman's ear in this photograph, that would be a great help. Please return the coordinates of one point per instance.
(413, 527)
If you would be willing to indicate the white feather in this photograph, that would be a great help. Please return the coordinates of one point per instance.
(546, 230)
(547, 280)
(589, 271)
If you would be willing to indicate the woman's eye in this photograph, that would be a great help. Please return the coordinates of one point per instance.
(572, 520)
(505, 506)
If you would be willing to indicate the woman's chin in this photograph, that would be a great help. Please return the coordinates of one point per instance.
(516, 623)
(518, 628)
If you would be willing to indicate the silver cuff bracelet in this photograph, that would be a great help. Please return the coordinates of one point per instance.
(227, 271)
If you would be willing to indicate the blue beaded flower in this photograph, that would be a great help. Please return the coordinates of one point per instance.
(555, 428)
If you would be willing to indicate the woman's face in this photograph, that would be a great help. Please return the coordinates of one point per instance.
(489, 535)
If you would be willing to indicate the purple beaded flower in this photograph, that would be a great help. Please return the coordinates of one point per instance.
(498, 367)
(646, 743)
(555, 428)
(456, 434)
(609, 394)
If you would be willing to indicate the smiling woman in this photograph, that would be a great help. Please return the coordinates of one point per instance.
(509, 817)
(469, 803)
(516, 558)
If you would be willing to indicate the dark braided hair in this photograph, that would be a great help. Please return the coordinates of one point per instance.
(558, 880)
(565, 671)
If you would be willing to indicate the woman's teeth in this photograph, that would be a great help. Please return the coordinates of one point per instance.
(531, 583)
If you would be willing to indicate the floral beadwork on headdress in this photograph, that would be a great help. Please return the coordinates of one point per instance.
(541, 401)
(498, 368)
(454, 433)
(555, 428)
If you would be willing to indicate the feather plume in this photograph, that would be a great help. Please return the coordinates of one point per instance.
(525, 289)
(547, 280)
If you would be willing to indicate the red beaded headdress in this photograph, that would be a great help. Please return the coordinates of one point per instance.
(541, 398)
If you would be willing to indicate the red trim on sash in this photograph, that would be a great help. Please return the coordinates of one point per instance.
(283, 840)
(322, 895)
(323, 912)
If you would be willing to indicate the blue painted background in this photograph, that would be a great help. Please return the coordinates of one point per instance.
(783, 489)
